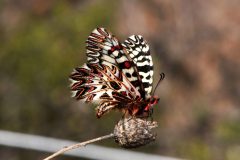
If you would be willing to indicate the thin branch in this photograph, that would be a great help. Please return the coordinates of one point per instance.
(74, 146)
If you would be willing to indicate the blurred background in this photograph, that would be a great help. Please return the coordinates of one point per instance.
(195, 43)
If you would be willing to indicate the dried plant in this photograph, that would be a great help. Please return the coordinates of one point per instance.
(128, 133)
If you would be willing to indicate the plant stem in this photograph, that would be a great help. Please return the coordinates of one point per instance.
(74, 146)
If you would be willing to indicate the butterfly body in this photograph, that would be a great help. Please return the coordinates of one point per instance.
(116, 76)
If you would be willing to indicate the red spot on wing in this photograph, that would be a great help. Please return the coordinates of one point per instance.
(124, 93)
(127, 64)
(113, 49)
(118, 47)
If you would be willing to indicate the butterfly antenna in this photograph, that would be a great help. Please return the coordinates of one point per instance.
(162, 76)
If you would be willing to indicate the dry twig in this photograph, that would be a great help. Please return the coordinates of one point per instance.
(74, 146)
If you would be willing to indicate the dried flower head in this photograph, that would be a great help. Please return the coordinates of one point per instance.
(134, 132)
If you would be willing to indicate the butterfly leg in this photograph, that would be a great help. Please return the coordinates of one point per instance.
(124, 114)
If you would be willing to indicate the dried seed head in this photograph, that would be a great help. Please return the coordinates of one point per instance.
(134, 132)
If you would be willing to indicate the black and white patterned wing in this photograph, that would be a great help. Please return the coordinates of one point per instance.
(138, 50)
(104, 49)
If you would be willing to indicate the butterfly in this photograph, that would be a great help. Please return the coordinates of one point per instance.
(116, 75)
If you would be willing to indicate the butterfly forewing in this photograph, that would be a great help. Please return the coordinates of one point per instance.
(139, 52)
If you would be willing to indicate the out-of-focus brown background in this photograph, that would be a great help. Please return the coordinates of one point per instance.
(195, 43)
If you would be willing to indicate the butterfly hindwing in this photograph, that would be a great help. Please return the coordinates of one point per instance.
(107, 86)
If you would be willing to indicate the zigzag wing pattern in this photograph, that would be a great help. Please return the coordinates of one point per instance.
(104, 49)
(139, 52)
(104, 85)
(100, 44)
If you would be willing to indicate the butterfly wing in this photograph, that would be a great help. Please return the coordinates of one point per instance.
(139, 52)
(116, 75)
(103, 48)
(100, 45)
(103, 85)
